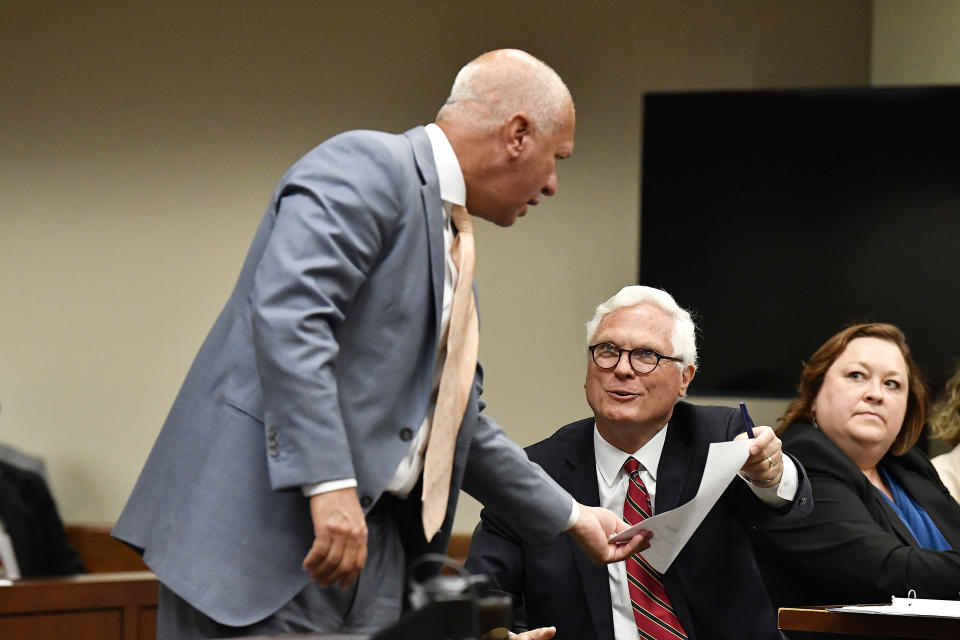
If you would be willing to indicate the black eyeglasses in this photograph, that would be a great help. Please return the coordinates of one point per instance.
(642, 359)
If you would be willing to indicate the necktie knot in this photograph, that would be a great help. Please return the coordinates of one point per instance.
(461, 219)
(631, 466)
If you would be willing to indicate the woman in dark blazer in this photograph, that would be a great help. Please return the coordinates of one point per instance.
(882, 524)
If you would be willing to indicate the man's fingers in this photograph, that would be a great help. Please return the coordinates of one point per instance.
(329, 569)
(637, 544)
(342, 561)
(543, 633)
(765, 452)
(316, 554)
(352, 564)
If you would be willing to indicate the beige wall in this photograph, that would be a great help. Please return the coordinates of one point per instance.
(140, 145)
(916, 42)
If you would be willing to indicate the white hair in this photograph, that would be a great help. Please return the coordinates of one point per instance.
(683, 338)
(494, 86)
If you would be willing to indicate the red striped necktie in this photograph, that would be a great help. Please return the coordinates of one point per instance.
(656, 619)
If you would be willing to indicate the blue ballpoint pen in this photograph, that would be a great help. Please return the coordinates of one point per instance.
(746, 419)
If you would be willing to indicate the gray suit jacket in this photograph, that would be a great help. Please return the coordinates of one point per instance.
(319, 368)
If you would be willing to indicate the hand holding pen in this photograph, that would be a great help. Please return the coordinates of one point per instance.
(764, 467)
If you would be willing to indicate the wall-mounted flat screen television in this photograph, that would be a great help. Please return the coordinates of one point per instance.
(781, 216)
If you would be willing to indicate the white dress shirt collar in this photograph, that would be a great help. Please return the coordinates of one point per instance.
(452, 187)
(610, 459)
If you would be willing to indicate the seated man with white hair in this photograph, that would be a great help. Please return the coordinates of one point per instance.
(643, 452)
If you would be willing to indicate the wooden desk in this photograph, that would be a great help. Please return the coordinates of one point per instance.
(821, 623)
(114, 606)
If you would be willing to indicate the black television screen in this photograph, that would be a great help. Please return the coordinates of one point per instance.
(779, 217)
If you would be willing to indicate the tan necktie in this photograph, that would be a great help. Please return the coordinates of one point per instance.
(459, 368)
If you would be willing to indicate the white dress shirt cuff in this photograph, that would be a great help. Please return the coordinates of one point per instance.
(326, 487)
(782, 493)
(574, 516)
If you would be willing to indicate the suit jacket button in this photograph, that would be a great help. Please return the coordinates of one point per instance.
(406, 434)
(366, 501)
(803, 501)
(274, 450)
(271, 431)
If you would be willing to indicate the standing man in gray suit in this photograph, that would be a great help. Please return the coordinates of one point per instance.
(295, 447)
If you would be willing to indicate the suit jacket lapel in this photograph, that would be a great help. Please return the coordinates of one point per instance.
(433, 213)
(904, 470)
(676, 463)
(678, 478)
(893, 520)
(579, 477)
(939, 506)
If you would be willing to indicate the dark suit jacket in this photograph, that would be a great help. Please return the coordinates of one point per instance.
(714, 583)
(30, 517)
(853, 536)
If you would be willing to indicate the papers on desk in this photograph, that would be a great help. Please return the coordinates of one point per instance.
(673, 528)
(908, 607)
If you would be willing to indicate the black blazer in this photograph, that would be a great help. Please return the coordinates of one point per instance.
(854, 548)
(714, 583)
(30, 517)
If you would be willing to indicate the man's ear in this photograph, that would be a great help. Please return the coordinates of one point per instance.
(515, 134)
(686, 377)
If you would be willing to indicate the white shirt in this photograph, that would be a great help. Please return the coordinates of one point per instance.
(612, 481)
(9, 569)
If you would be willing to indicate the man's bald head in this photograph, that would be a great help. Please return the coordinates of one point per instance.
(494, 86)
(509, 120)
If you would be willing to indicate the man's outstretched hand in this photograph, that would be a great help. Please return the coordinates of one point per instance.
(593, 530)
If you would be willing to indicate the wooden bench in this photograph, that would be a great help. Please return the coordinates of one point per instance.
(95, 606)
(116, 600)
(101, 553)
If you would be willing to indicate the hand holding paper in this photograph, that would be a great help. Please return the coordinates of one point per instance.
(596, 529)
(672, 529)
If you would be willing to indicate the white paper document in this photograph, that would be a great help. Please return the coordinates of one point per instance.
(672, 529)
(909, 607)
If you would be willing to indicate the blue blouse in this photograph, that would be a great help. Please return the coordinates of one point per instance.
(913, 515)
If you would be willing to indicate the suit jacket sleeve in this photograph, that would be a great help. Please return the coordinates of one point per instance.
(497, 552)
(853, 547)
(501, 476)
(336, 210)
